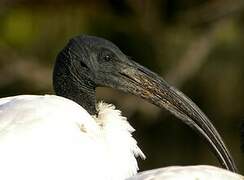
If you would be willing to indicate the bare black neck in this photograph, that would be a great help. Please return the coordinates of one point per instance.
(74, 86)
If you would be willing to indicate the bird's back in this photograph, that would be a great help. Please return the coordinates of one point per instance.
(199, 172)
(37, 141)
(50, 137)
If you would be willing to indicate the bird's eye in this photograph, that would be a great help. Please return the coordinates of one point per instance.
(106, 55)
(107, 58)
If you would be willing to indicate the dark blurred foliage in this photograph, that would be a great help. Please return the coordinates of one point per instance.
(196, 46)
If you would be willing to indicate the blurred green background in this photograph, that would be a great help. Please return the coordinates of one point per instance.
(196, 46)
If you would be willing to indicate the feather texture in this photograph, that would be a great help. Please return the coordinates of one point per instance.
(199, 172)
(51, 137)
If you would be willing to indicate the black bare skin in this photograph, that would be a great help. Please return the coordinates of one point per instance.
(88, 62)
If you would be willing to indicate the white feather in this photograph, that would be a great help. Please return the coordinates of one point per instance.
(199, 172)
(50, 137)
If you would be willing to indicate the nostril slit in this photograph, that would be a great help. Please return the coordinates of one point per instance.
(129, 77)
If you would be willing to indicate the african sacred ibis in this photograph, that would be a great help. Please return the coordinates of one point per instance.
(71, 136)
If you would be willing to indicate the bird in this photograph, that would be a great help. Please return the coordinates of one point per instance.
(69, 135)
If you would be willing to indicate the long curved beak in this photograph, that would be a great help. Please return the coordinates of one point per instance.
(140, 81)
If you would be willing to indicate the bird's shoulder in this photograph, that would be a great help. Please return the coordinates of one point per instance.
(25, 110)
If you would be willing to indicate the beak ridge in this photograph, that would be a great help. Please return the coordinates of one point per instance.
(148, 85)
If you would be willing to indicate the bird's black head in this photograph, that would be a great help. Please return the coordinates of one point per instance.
(85, 63)
(88, 62)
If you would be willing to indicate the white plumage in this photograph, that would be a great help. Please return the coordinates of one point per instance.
(199, 172)
(50, 137)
